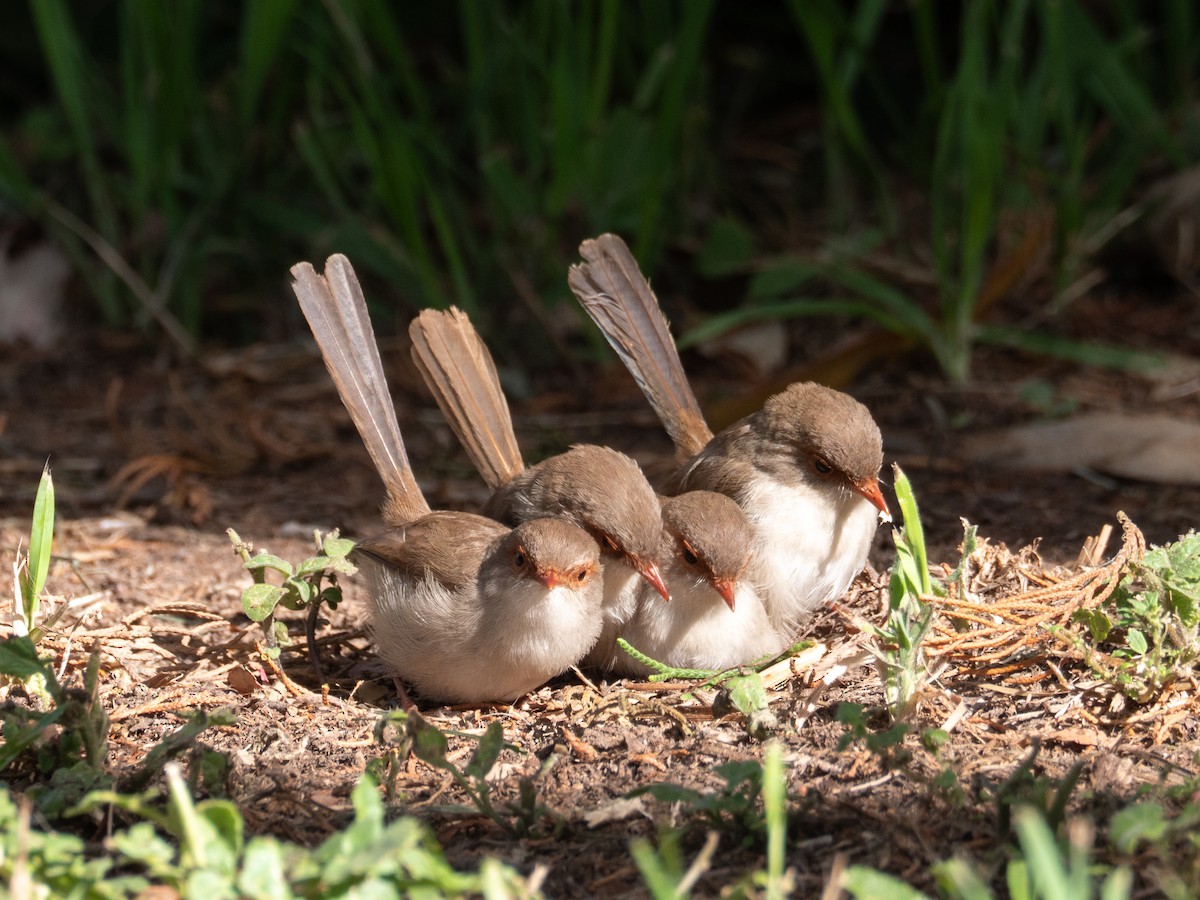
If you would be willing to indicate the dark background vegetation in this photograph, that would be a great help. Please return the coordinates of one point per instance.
(902, 162)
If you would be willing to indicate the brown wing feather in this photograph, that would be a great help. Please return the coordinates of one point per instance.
(617, 296)
(459, 371)
(336, 311)
(445, 545)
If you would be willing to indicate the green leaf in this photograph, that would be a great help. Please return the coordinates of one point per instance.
(260, 600)
(19, 659)
(748, 697)
(1185, 605)
(1098, 623)
(428, 744)
(337, 547)
(1046, 865)
(913, 532)
(312, 564)
(662, 870)
(264, 875)
(297, 593)
(860, 881)
(209, 883)
(774, 792)
(225, 820)
(41, 538)
(746, 693)
(142, 844)
(488, 751)
(1133, 825)
(933, 739)
(670, 793)
(956, 878)
(264, 560)
(1136, 640)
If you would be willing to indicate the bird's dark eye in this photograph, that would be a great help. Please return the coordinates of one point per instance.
(519, 559)
(821, 466)
(688, 554)
(581, 575)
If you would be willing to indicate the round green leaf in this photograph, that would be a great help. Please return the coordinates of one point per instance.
(260, 600)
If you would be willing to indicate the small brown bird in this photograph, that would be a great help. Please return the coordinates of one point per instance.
(804, 468)
(463, 608)
(600, 490)
(716, 619)
(705, 538)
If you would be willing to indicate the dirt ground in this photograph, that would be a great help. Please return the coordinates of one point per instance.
(153, 460)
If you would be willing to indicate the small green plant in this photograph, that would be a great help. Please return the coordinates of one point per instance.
(898, 650)
(740, 688)
(1041, 868)
(1148, 827)
(209, 855)
(301, 588)
(886, 745)
(1152, 618)
(1024, 788)
(52, 863)
(66, 743)
(31, 570)
(732, 809)
(428, 744)
(69, 732)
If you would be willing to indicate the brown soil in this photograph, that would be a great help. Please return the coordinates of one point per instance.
(153, 460)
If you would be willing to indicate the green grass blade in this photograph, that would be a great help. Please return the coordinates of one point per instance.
(661, 869)
(265, 25)
(774, 793)
(1042, 854)
(41, 540)
(914, 533)
(1087, 353)
(68, 65)
(65, 57)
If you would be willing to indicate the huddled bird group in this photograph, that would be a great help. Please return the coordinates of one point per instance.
(758, 524)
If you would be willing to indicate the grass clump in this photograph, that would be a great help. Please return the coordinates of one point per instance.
(306, 586)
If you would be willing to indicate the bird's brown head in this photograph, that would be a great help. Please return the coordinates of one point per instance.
(554, 553)
(711, 538)
(827, 434)
(606, 494)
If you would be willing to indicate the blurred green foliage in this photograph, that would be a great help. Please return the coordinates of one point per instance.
(185, 154)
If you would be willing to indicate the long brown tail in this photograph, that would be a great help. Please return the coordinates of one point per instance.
(336, 311)
(617, 296)
(459, 371)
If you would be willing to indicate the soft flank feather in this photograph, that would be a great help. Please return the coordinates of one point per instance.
(336, 311)
(459, 372)
(618, 297)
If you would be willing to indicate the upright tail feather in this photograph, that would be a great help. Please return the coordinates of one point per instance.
(336, 311)
(617, 296)
(459, 371)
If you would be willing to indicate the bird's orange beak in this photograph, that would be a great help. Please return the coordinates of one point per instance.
(650, 572)
(548, 578)
(727, 588)
(871, 492)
